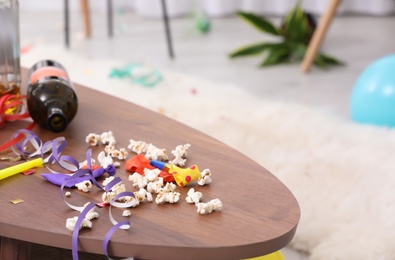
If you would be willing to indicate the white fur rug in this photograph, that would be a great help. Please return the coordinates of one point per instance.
(342, 174)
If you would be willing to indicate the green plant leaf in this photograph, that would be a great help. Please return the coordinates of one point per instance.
(259, 22)
(320, 62)
(250, 50)
(330, 59)
(278, 53)
(296, 26)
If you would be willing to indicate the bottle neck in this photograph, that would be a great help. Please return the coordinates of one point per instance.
(56, 120)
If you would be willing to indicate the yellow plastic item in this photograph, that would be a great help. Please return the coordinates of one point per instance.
(7, 172)
(273, 256)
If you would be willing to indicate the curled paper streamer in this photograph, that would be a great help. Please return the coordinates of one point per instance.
(74, 243)
(116, 225)
(13, 107)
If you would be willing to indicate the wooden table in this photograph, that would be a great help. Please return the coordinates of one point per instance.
(260, 214)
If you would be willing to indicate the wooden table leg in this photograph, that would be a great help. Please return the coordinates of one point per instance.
(319, 34)
(86, 17)
(12, 249)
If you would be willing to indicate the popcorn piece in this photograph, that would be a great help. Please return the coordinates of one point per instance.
(70, 223)
(205, 177)
(140, 195)
(173, 197)
(108, 138)
(115, 190)
(119, 154)
(170, 197)
(107, 180)
(149, 197)
(151, 175)
(68, 194)
(160, 198)
(134, 201)
(85, 186)
(207, 208)
(180, 153)
(116, 164)
(137, 146)
(155, 153)
(217, 204)
(91, 213)
(138, 180)
(104, 160)
(109, 148)
(170, 187)
(126, 213)
(193, 197)
(85, 163)
(92, 139)
(178, 161)
(155, 186)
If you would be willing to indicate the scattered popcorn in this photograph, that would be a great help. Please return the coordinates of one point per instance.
(92, 139)
(104, 160)
(205, 177)
(169, 187)
(137, 146)
(193, 197)
(70, 223)
(108, 138)
(155, 186)
(180, 153)
(140, 195)
(173, 197)
(68, 194)
(207, 208)
(217, 204)
(151, 151)
(155, 153)
(91, 213)
(178, 161)
(126, 213)
(115, 190)
(116, 164)
(134, 202)
(85, 163)
(107, 180)
(138, 180)
(151, 175)
(109, 148)
(149, 197)
(119, 154)
(84, 186)
(167, 196)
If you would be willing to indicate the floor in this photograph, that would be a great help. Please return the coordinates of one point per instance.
(358, 41)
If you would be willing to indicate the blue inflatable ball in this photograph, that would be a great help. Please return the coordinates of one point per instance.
(373, 95)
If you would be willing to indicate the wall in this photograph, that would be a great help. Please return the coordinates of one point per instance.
(151, 8)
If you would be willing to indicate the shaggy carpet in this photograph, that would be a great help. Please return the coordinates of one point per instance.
(342, 173)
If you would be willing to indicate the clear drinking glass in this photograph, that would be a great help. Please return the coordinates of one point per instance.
(10, 71)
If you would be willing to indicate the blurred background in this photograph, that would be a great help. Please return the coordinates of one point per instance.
(360, 33)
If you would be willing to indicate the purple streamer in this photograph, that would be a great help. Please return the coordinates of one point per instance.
(74, 247)
(110, 233)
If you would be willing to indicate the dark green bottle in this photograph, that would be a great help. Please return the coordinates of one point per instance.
(51, 99)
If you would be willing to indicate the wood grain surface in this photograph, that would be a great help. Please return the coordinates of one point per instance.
(260, 214)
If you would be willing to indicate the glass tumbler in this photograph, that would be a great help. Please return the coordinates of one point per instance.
(10, 71)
